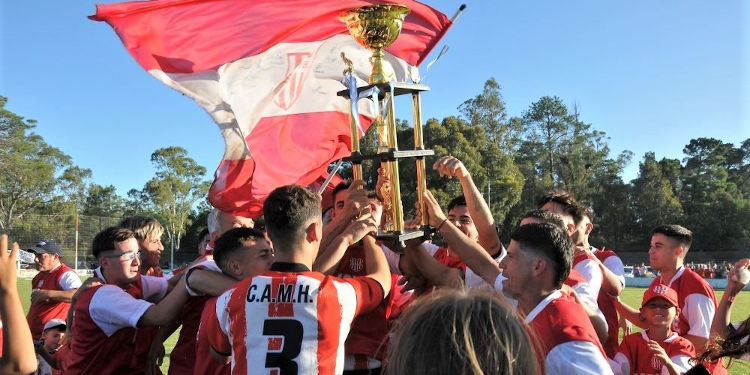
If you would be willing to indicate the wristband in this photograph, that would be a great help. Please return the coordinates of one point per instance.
(441, 225)
(187, 275)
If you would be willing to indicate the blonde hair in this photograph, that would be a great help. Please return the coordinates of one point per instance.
(144, 227)
(458, 332)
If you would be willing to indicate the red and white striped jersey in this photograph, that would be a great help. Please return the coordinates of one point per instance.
(290, 320)
(205, 363)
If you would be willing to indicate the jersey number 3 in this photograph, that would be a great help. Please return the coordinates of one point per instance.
(291, 331)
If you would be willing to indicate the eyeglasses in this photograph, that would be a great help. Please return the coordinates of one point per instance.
(126, 256)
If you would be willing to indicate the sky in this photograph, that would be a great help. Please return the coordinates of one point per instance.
(651, 74)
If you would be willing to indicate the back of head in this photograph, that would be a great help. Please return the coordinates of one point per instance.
(678, 233)
(288, 210)
(454, 332)
(569, 204)
(144, 227)
(107, 238)
(231, 241)
(550, 241)
(544, 216)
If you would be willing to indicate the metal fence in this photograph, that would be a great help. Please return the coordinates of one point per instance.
(74, 233)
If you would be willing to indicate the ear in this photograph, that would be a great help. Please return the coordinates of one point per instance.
(589, 228)
(680, 251)
(571, 228)
(538, 266)
(311, 232)
(234, 267)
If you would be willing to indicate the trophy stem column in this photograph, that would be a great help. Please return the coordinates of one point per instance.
(356, 166)
(419, 145)
(397, 214)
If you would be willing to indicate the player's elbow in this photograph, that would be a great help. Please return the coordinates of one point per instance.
(26, 364)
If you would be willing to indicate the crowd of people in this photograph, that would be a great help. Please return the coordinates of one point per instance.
(297, 292)
(710, 270)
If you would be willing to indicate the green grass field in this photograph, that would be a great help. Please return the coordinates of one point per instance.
(631, 295)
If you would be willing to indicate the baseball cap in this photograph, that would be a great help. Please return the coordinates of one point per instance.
(54, 323)
(660, 291)
(47, 247)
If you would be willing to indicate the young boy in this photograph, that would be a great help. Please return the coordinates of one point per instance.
(53, 336)
(657, 349)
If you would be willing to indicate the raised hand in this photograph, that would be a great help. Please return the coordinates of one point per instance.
(449, 166)
(356, 200)
(434, 212)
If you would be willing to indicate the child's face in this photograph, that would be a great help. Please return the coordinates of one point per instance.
(658, 312)
(53, 338)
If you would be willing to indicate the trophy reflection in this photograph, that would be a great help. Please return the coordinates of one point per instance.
(377, 27)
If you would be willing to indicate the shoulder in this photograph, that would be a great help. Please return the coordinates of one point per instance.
(603, 254)
(692, 283)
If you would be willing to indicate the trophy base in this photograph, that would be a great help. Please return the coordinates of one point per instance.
(395, 240)
(399, 88)
(390, 155)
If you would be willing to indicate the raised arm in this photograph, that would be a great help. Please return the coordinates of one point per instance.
(435, 272)
(356, 200)
(18, 348)
(473, 255)
(450, 166)
(724, 310)
(328, 260)
(376, 264)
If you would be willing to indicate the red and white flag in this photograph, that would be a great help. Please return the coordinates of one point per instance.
(267, 71)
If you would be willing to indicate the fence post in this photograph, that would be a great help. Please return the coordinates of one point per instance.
(76, 243)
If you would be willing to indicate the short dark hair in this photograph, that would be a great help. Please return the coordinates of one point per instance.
(544, 216)
(373, 195)
(343, 185)
(107, 238)
(676, 232)
(567, 201)
(457, 201)
(231, 241)
(288, 210)
(548, 240)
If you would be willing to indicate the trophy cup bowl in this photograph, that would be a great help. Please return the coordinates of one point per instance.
(375, 27)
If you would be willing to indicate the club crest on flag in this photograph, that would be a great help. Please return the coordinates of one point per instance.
(298, 67)
(356, 264)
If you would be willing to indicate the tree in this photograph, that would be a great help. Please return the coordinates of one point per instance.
(103, 201)
(654, 201)
(173, 192)
(29, 168)
(487, 110)
(715, 207)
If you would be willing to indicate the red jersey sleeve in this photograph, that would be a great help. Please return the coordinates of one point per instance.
(369, 293)
(218, 340)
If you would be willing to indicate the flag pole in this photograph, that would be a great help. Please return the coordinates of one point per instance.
(440, 36)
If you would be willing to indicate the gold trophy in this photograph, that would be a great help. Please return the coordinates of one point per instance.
(377, 27)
